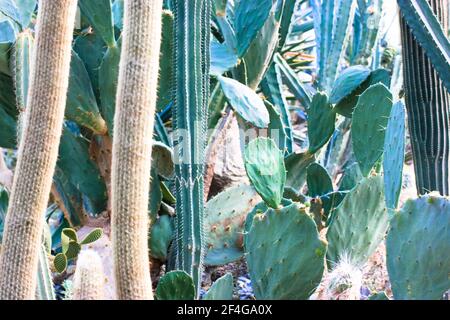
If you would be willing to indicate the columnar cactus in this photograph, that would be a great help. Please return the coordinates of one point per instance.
(89, 278)
(428, 106)
(38, 149)
(133, 129)
(192, 64)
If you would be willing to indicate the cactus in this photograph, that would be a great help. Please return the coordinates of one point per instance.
(136, 100)
(161, 237)
(89, 278)
(222, 289)
(71, 246)
(266, 170)
(427, 93)
(321, 122)
(347, 82)
(44, 288)
(191, 94)
(224, 223)
(394, 154)
(277, 268)
(38, 149)
(417, 249)
(346, 105)
(318, 180)
(175, 285)
(370, 120)
(359, 224)
(343, 282)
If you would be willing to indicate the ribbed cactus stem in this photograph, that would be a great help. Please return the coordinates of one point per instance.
(428, 107)
(131, 162)
(89, 278)
(38, 149)
(191, 93)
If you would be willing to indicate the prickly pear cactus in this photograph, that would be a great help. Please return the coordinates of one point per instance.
(225, 217)
(284, 254)
(321, 122)
(418, 247)
(222, 289)
(265, 167)
(347, 82)
(175, 285)
(359, 224)
(394, 154)
(370, 120)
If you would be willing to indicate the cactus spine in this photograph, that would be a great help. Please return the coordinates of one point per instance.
(133, 129)
(38, 149)
(89, 278)
(192, 63)
(428, 108)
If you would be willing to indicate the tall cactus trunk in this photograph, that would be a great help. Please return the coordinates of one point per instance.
(428, 106)
(38, 149)
(192, 63)
(131, 162)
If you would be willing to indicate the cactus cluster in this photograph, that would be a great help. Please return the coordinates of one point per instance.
(110, 122)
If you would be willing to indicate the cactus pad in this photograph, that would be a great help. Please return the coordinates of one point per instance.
(318, 180)
(321, 122)
(394, 154)
(160, 237)
(347, 82)
(222, 289)
(359, 224)
(175, 285)
(265, 167)
(225, 216)
(418, 247)
(370, 120)
(284, 253)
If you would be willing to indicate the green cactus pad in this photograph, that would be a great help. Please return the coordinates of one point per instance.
(60, 262)
(222, 289)
(245, 102)
(81, 104)
(225, 216)
(99, 14)
(91, 49)
(346, 106)
(370, 120)
(359, 224)
(162, 159)
(67, 235)
(285, 255)
(74, 160)
(93, 236)
(347, 82)
(175, 285)
(73, 249)
(250, 17)
(261, 208)
(296, 165)
(352, 175)
(108, 80)
(161, 235)
(321, 122)
(265, 167)
(318, 180)
(394, 154)
(8, 130)
(418, 247)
